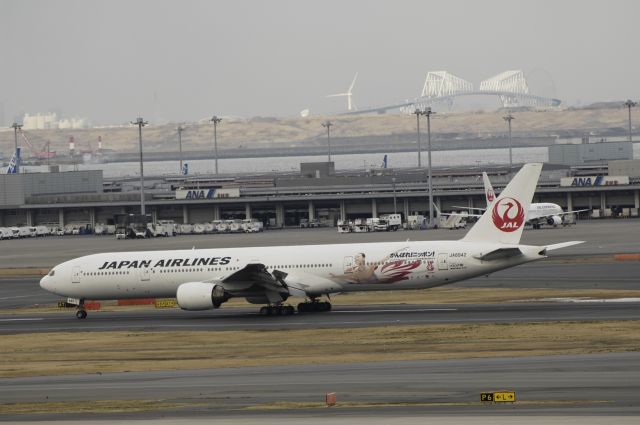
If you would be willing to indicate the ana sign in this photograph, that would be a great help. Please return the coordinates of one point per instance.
(200, 194)
(587, 181)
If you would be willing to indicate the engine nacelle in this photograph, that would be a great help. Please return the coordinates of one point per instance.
(196, 296)
(554, 220)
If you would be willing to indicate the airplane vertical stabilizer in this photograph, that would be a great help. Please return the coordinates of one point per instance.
(489, 194)
(504, 221)
(14, 164)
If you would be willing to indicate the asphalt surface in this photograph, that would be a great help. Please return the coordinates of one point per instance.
(601, 236)
(340, 317)
(602, 384)
(550, 386)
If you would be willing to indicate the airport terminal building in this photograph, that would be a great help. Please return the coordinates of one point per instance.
(85, 198)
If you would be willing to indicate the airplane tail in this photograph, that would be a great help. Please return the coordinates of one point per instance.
(14, 164)
(504, 221)
(489, 194)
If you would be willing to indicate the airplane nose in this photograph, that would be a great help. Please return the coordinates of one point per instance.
(45, 283)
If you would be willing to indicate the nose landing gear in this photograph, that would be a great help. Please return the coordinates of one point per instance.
(81, 314)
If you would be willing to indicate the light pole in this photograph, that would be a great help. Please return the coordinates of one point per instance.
(141, 123)
(180, 130)
(395, 207)
(16, 127)
(428, 112)
(215, 121)
(629, 104)
(508, 119)
(328, 125)
(418, 112)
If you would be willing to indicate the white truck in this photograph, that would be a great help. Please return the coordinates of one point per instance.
(388, 222)
(5, 233)
(252, 225)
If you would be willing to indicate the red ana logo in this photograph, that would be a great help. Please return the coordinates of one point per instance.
(490, 195)
(508, 215)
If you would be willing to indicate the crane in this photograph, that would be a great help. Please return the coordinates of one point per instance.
(44, 153)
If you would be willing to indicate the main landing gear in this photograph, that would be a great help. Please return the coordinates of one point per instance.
(314, 306)
(81, 313)
(277, 310)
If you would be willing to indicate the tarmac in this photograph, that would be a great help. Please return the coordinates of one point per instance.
(603, 237)
(444, 391)
(597, 384)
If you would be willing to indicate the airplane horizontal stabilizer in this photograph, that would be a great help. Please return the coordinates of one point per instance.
(562, 245)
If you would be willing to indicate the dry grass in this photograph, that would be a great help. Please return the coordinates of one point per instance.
(84, 352)
(95, 406)
(302, 131)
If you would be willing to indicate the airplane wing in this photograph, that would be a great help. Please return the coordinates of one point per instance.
(460, 215)
(254, 281)
(545, 216)
(469, 208)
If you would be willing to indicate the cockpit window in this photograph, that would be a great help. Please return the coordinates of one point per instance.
(52, 272)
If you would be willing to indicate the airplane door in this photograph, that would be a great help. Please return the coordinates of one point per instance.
(443, 261)
(347, 264)
(144, 273)
(75, 275)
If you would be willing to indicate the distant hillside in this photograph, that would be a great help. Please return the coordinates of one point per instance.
(261, 132)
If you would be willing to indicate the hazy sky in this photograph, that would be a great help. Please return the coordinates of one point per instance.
(186, 60)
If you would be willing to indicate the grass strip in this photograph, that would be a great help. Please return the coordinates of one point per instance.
(92, 352)
(93, 406)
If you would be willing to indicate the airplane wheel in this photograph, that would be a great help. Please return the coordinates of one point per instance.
(81, 314)
(302, 307)
(327, 306)
(290, 311)
(264, 311)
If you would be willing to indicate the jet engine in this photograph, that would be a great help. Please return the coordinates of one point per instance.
(554, 220)
(200, 296)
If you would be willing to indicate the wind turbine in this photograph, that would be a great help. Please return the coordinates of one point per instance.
(350, 105)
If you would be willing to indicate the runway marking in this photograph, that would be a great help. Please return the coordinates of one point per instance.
(416, 310)
(24, 319)
(17, 296)
(591, 300)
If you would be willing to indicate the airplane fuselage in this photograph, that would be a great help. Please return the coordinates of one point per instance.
(323, 268)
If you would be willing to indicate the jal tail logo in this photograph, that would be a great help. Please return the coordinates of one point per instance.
(508, 215)
(490, 195)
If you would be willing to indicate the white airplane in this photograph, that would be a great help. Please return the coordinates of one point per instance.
(537, 214)
(202, 279)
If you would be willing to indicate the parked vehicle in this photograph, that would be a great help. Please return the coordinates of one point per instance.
(221, 226)
(5, 233)
(186, 229)
(26, 232)
(344, 226)
(307, 224)
(198, 228)
(42, 231)
(170, 226)
(235, 226)
(390, 222)
(252, 225)
(100, 229)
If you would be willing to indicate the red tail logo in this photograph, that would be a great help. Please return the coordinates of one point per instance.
(490, 195)
(508, 215)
